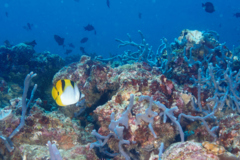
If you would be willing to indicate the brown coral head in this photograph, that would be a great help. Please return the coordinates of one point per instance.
(84, 59)
(29, 121)
(167, 86)
(135, 82)
(145, 82)
(118, 99)
(154, 86)
(146, 66)
(44, 120)
(213, 148)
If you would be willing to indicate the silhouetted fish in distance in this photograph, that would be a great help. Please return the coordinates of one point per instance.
(237, 15)
(6, 14)
(76, 0)
(71, 45)
(32, 43)
(82, 50)
(208, 7)
(90, 27)
(84, 40)
(59, 40)
(7, 43)
(108, 3)
(140, 15)
(68, 51)
(28, 27)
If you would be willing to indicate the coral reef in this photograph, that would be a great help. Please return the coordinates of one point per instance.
(197, 151)
(19, 60)
(194, 49)
(184, 98)
(40, 127)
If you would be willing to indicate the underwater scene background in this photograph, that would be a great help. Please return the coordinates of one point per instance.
(134, 80)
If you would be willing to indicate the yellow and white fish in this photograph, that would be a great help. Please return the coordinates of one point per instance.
(66, 92)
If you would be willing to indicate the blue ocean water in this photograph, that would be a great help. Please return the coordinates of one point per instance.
(211, 72)
(67, 18)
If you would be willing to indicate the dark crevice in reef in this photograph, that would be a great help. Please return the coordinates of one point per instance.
(89, 110)
(134, 154)
(103, 151)
(178, 138)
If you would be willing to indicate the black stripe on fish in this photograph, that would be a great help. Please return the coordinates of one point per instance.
(72, 83)
(63, 84)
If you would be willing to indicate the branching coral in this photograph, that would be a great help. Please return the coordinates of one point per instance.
(7, 141)
(148, 116)
(116, 129)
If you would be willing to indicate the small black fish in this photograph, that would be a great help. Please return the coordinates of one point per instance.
(59, 40)
(71, 45)
(28, 27)
(89, 27)
(237, 15)
(208, 7)
(220, 25)
(6, 14)
(82, 50)
(32, 43)
(68, 51)
(108, 3)
(140, 15)
(76, 0)
(85, 39)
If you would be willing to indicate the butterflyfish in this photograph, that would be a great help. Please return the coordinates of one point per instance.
(66, 92)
